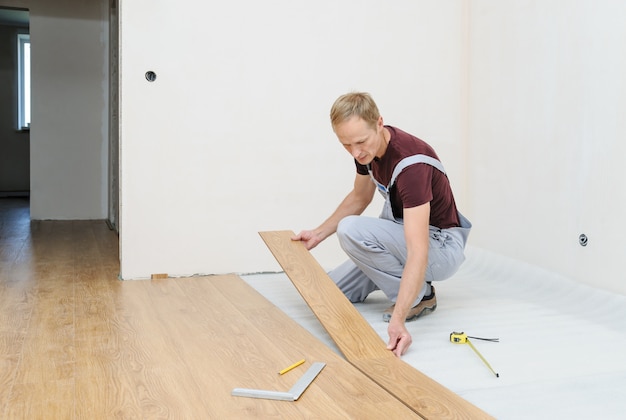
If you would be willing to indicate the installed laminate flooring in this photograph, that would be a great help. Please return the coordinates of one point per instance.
(77, 343)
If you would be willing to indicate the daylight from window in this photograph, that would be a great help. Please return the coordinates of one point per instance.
(23, 45)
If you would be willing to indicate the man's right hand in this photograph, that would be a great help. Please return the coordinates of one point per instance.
(309, 238)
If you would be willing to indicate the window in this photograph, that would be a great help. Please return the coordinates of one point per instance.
(23, 77)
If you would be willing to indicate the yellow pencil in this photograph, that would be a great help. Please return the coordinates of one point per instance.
(287, 369)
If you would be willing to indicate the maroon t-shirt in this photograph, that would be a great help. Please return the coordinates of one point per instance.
(416, 184)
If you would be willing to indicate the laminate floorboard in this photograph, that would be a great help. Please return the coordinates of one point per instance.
(358, 341)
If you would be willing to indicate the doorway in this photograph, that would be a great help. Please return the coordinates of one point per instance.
(15, 102)
(19, 174)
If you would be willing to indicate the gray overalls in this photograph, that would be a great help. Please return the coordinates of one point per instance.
(377, 248)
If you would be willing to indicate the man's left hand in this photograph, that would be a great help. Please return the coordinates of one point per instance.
(399, 337)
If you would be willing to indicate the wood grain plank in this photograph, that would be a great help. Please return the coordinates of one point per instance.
(130, 350)
(105, 343)
(44, 380)
(226, 351)
(358, 341)
(343, 322)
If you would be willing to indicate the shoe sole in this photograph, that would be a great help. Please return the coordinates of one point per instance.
(425, 311)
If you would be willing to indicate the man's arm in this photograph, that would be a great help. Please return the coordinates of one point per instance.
(416, 225)
(355, 202)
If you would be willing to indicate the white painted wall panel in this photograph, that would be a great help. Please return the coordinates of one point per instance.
(547, 106)
(69, 130)
(233, 136)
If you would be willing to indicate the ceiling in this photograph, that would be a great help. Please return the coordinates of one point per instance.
(14, 17)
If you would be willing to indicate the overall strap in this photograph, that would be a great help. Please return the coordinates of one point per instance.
(411, 160)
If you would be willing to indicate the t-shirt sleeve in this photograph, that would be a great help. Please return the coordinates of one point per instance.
(414, 185)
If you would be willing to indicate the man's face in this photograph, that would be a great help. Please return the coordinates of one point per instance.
(360, 139)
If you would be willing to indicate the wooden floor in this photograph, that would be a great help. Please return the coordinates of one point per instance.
(77, 343)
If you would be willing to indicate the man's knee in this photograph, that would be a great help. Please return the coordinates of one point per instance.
(443, 265)
(347, 227)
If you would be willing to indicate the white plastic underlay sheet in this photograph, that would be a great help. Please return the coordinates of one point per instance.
(562, 348)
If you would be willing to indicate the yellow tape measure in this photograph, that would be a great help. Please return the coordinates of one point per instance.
(462, 338)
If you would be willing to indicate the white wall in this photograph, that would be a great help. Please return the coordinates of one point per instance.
(547, 129)
(524, 100)
(69, 130)
(233, 137)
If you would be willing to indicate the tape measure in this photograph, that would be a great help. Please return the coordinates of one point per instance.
(462, 338)
(458, 338)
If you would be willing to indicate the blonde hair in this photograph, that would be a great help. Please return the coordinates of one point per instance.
(358, 104)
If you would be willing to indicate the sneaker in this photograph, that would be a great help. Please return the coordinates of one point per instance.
(427, 305)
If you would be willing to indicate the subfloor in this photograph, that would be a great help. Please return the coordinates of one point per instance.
(560, 352)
